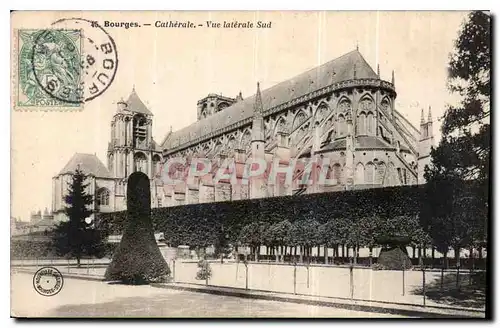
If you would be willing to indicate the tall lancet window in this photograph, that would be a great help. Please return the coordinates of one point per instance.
(140, 162)
(370, 124)
(360, 174)
(370, 173)
(111, 163)
(341, 126)
(361, 126)
(156, 164)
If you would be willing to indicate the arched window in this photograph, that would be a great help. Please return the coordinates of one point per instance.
(321, 112)
(111, 163)
(360, 174)
(369, 173)
(204, 113)
(392, 175)
(381, 168)
(140, 131)
(341, 126)
(366, 104)
(156, 164)
(344, 105)
(221, 106)
(102, 197)
(280, 125)
(300, 134)
(299, 119)
(361, 124)
(370, 124)
(231, 143)
(245, 139)
(140, 162)
(386, 105)
(337, 172)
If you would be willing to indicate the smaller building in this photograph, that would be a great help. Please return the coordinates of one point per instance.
(41, 222)
(100, 184)
(38, 223)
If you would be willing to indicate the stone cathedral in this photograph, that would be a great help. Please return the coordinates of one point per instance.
(341, 111)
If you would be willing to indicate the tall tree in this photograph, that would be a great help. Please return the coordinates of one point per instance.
(464, 150)
(463, 155)
(252, 235)
(77, 237)
(222, 247)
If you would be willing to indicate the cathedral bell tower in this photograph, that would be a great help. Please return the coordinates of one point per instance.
(132, 147)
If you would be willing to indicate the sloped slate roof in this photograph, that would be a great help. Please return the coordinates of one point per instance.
(337, 70)
(135, 104)
(360, 142)
(89, 164)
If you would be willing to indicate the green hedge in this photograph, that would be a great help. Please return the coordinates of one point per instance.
(199, 224)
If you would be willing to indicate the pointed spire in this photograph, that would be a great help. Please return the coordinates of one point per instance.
(258, 107)
(357, 45)
(393, 81)
(354, 71)
(429, 117)
(378, 70)
(422, 120)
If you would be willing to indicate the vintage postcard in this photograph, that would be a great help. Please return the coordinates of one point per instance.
(319, 164)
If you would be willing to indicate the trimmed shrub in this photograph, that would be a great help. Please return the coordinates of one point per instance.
(137, 259)
(394, 259)
(204, 270)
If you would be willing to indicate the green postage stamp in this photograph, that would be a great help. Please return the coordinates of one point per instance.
(48, 69)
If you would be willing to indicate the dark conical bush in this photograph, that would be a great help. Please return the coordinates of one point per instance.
(138, 259)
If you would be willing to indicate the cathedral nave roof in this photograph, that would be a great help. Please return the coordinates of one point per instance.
(336, 70)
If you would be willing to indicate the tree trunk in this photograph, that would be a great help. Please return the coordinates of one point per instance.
(445, 259)
(78, 260)
(343, 253)
(355, 254)
(480, 252)
(457, 256)
(419, 252)
(276, 254)
(433, 255)
(414, 251)
(471, 256)
(301, 258)
(371, 255)
(425, 251)
(325, 251)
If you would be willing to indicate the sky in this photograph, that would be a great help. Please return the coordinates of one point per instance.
(171, 69)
